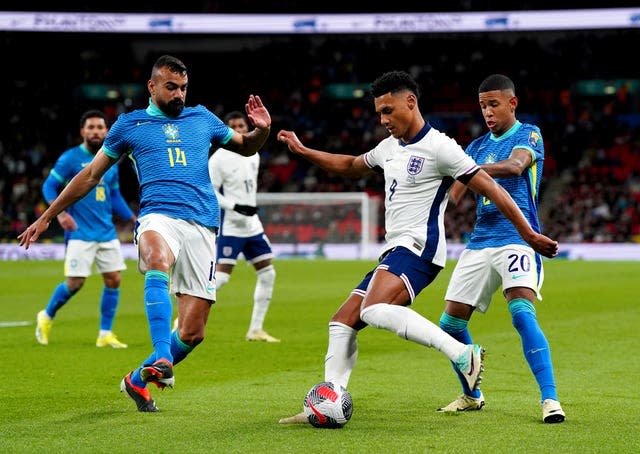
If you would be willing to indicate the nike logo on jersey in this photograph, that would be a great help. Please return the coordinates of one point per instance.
(535, 350)
(388, 160)
(153, 303)
(517, 276)
(140, 123)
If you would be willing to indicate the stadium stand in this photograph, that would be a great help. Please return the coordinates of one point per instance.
(310, 83)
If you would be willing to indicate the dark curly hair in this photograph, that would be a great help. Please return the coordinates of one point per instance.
(393, 82)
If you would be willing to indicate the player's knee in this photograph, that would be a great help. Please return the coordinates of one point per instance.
(75, 284)
(155, 259)
(112, 280)
(267, 275)
(370, 315)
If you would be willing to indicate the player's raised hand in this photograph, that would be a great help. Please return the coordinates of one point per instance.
(258, 113)
(290, 139)
(33, 232)
(544, 245)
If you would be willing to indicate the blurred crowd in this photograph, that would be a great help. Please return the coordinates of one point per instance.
(316, 86)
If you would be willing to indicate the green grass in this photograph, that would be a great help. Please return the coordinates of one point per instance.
(230, 393)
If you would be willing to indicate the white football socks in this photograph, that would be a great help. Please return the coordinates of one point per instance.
(262, 296)
(342, 353)
(410, 325)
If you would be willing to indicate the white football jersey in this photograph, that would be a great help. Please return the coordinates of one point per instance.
(235, 180)
(417, 178)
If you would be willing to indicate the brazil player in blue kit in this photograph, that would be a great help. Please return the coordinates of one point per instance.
(419, 164)
(90, 235)
(179, 214)
(496, 256)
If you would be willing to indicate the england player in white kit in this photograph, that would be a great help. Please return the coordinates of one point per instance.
(235, 180)
(419, 164)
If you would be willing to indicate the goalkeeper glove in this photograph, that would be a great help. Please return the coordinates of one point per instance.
(246, 210)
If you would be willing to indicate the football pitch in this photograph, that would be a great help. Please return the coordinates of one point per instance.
(230, 393)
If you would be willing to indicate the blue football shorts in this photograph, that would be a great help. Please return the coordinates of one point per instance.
(255, 248)
(415, 272)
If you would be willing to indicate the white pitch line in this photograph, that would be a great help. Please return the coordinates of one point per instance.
(15, 323)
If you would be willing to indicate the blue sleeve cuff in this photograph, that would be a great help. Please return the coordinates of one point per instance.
(50, 188)
(110, 153)
(228, 137)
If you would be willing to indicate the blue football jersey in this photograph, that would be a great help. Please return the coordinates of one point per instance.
(92, 213)
(170, 157)
(492, 229)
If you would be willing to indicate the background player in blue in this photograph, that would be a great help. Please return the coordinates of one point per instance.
(90, 234)
(179, 215)
(513, 153)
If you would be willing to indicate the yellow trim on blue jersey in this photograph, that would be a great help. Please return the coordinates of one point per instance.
(533, 177)
(135, 165)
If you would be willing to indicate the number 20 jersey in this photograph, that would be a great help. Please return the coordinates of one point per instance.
(492, 229)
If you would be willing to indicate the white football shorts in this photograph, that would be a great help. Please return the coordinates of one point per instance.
(194, 249)
(480, 272)
(80, 256)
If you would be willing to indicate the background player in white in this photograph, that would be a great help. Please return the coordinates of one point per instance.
(419, 164)
(235, 179)
(169, 146)
(90, 235)
(513, 153)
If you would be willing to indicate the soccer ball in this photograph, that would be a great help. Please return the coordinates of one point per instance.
(328, 406)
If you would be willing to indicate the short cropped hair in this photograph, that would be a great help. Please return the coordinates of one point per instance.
(234, 115)
(167, 61)
(497, 82)
(394, 82)
(93, 113)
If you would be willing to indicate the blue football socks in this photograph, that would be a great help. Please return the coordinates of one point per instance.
(457, 328)
(108, 307)
(535, 346)
(157, 304)
(59, 298)
(179, 349)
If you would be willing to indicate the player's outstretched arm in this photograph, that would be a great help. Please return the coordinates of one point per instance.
(341, 164)
(77, 188)
(483, 184)
(249, 143)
